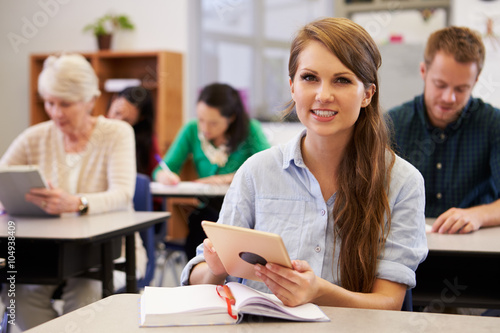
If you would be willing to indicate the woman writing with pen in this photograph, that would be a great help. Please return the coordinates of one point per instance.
(219, 141)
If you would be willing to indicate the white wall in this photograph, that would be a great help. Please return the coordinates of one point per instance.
(33, 26)
(399, 77)
(56, 25)
(473, 14)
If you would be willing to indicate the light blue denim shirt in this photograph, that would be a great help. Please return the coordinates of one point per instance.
(274, 191)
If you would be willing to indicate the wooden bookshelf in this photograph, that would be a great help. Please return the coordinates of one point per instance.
(160, 72)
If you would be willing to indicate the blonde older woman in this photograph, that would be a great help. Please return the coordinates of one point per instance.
(90, 165)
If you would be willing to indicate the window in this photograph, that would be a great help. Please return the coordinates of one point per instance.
(245, 43)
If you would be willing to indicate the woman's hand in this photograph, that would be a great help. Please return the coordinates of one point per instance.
(217, 179)
(292, 286)
(213, 260)
(53, 200)
(167, 177)
(210, 271)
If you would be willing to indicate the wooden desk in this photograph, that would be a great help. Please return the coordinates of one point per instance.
(49, 250)
(120, 313)
(460, 270)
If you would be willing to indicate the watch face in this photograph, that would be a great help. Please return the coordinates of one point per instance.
(84, 206)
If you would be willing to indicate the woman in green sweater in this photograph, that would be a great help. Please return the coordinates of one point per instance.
(219, 141)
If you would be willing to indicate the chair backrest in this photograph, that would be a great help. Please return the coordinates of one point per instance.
(143, 201)
(408, 301)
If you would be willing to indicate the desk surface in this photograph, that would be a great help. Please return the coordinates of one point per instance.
(460, 270)
(120, 313)
(191, 189)
(73, 227)
(483, 240)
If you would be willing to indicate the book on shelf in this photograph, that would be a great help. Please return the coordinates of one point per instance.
(208, 304)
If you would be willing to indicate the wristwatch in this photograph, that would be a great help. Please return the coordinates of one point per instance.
(83, 208)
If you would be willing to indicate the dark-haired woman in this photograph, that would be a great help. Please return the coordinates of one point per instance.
(219, 141)
(135, 106)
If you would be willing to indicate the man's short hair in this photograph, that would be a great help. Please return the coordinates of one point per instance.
(464, 44)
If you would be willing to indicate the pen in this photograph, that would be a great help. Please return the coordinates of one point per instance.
(229, 294)
(162, 163)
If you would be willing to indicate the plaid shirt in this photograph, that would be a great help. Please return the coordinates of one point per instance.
(460, 164)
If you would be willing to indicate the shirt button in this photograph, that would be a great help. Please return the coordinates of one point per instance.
(442, 136)
(323, 212)
(439, 195)
(317, 249)
(439, 166)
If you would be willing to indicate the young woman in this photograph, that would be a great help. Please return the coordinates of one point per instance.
(350, 212)
(219, 141)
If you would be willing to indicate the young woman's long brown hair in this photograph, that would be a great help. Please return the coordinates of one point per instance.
(361, 205)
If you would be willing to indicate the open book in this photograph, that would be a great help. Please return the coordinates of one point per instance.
(203, 305)
(15, 182)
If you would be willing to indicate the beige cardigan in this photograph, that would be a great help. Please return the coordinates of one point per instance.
(108, 169)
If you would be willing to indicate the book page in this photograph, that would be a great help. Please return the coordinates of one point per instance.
(183, 306)
(195, 298)
(251, 301)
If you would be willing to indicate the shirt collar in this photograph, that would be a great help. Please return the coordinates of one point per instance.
(292, 152)
(452, 127)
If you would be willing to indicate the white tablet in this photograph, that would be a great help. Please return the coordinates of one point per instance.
(15, 182)
(240, 249)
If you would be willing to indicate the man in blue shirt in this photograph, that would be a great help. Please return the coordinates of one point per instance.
(452, 138)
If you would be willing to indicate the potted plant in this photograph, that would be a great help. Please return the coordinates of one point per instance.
(104, 27)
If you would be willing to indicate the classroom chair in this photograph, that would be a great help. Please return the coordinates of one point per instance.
(173, 255)
(143, 202)
(172, 252)
(5, 318)
(408, 301)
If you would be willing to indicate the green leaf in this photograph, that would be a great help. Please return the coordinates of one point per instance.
(108, 23)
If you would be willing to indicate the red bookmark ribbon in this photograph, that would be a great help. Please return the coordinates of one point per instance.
(225, 293)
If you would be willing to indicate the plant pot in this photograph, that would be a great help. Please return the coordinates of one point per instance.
(104, 42)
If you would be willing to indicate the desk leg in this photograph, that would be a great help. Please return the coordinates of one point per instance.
(164, 204)
(130, 263)
(107, 269)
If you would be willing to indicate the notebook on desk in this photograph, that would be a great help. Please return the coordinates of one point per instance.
(15, 182)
